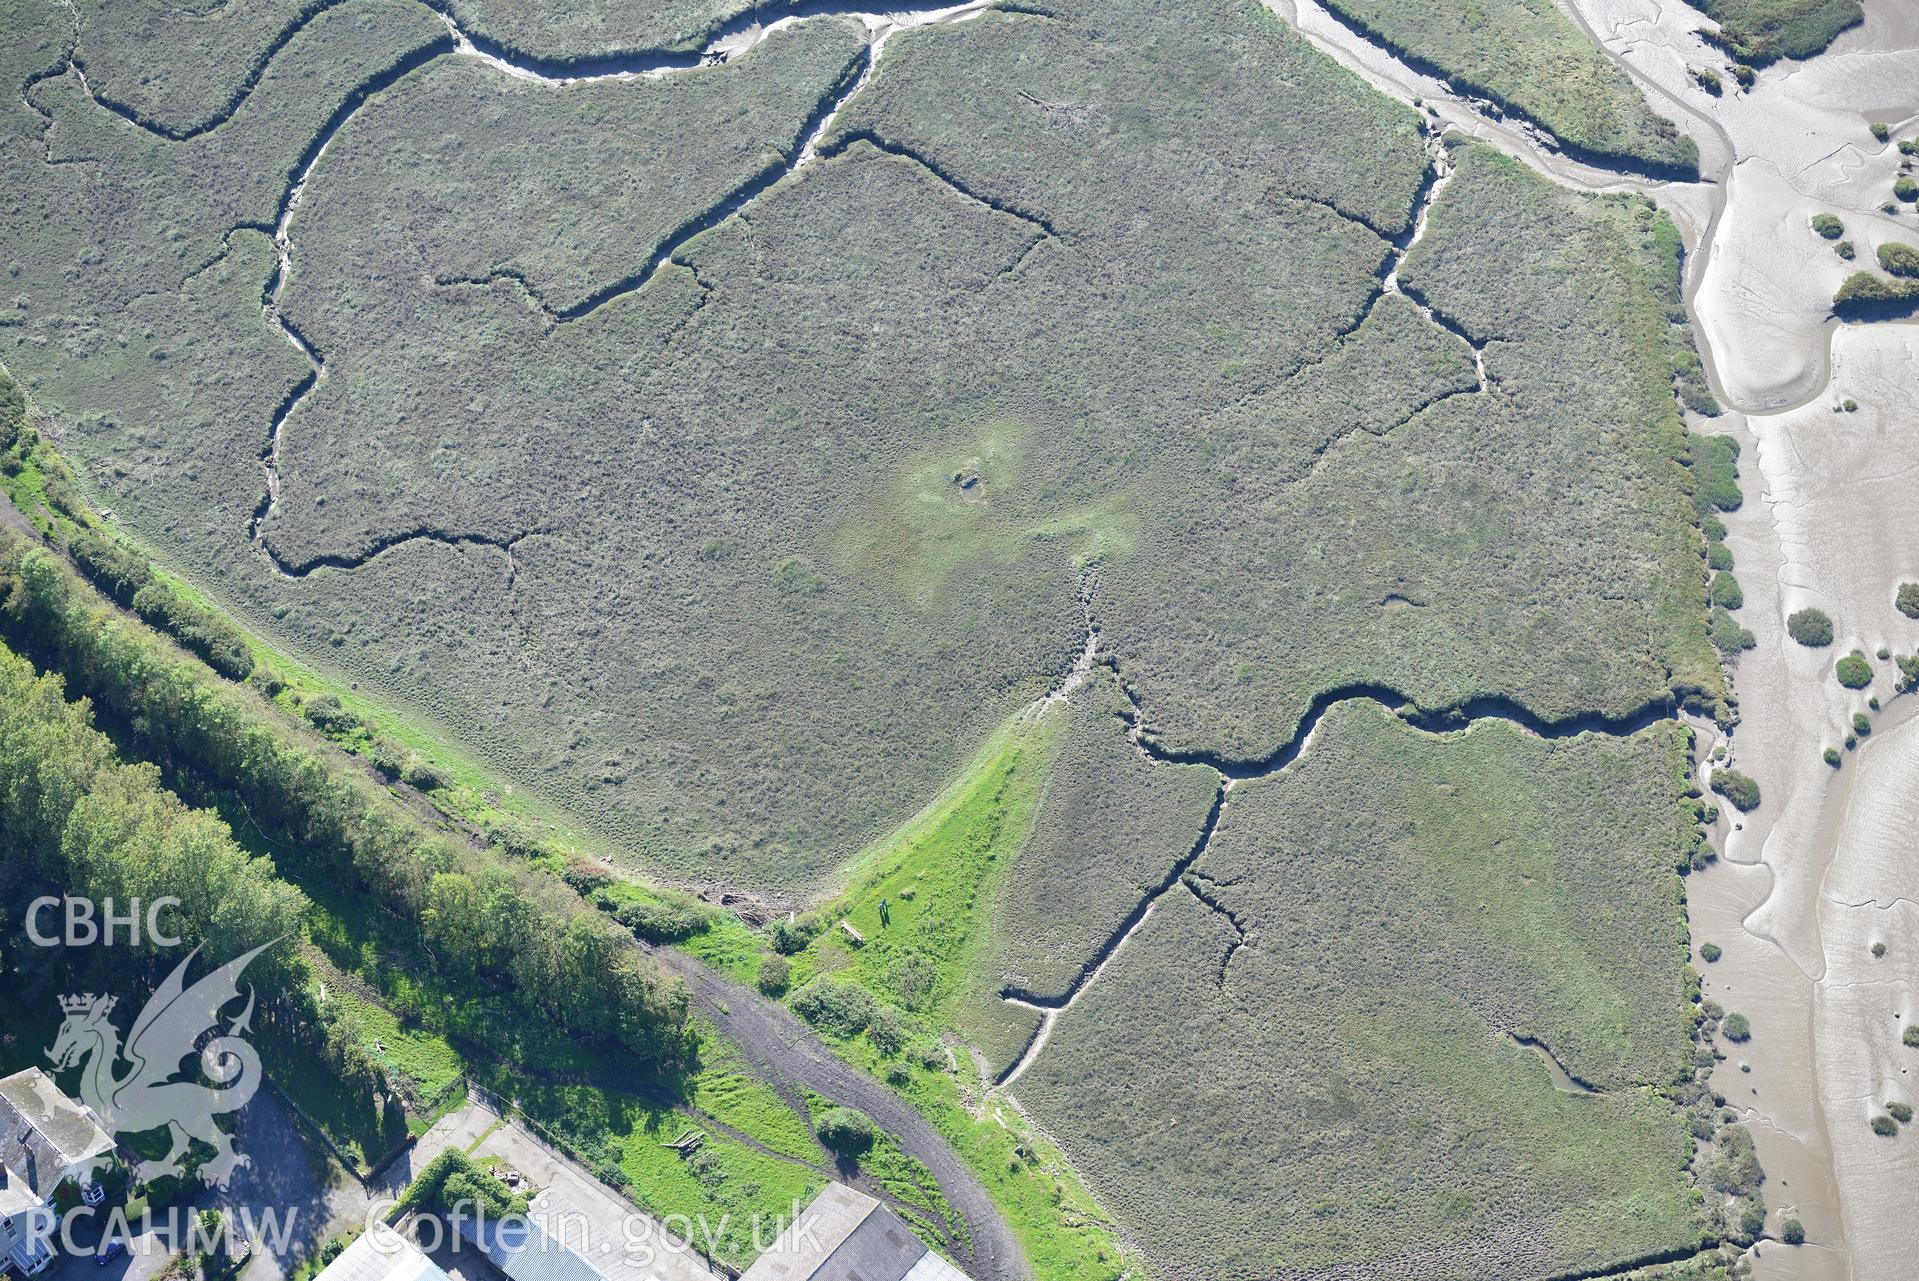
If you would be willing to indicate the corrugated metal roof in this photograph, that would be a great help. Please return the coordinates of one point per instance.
(846, 1235)
(525, 1251)
(382, 1255)
(881, 1248)
(933, 1268)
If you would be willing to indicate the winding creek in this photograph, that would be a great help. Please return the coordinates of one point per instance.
(1820, 872)
(735, 38)
(1186, 871)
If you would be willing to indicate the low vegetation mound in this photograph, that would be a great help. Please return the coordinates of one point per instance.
(1907, 599)
(1762, 31)
(1864, 294)
(1810, 627)
(1739, 789)
(1854, 671)
(1531, 59)
(847, 1131)
(1898, 259)
(1331, 1008)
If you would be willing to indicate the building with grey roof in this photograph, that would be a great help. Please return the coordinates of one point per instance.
(523, 1250)
(382, 1255)
(46, 1140)
(846, 1235)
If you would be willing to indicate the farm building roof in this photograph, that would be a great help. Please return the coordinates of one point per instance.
(382, 1256)
(846, 1235)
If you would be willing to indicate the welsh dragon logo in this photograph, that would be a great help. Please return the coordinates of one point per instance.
(145, 1096)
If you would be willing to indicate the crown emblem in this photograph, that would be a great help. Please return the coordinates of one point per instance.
(87, 1004)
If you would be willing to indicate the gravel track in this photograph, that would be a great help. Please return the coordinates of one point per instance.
(792, 1057)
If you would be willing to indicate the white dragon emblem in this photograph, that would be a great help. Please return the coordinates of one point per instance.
(168, 1031)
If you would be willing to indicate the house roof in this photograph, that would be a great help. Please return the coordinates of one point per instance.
(846, 1235)
(382, 1256)
(43, 1136)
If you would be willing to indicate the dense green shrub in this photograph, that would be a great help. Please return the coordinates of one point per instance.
(1763, 31)
(1831, 757)
(1845, 249)
(1906, 189)
(13, 413)
(846, 1131)
(1728, 636)
(1810, 627)
(1726, 592)
(425, 776)
(843, 1009)
(1718, 556)
(1736, 1171)
(790, 935)
(774, 973)
(586, 876)
(1864, 287)
(117, 570)
(673, 919)
(1736, 1027)
(385, 755)
(453, 1180)
(1709, 952)
(1884, 1126)
(1792, 1232)
(1737, 788)
(327, 714)
(199, 631)
(1854, 671)
(1912, 1037)
(1715, 466)
(1880, 130)
(1907, 599)
(889, 1030)
(1828, 226)
(1899, 260)
(1901, 1112)
(1861, 724)
(1709, 80)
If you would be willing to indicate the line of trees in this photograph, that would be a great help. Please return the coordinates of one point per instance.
(74, 818)
(489, 927)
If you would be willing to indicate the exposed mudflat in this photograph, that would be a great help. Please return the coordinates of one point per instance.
(1796, 144)
(1830, 514)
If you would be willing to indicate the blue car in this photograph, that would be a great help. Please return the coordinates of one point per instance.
(110, 1251)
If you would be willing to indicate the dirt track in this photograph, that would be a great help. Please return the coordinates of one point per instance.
(787, 1053)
